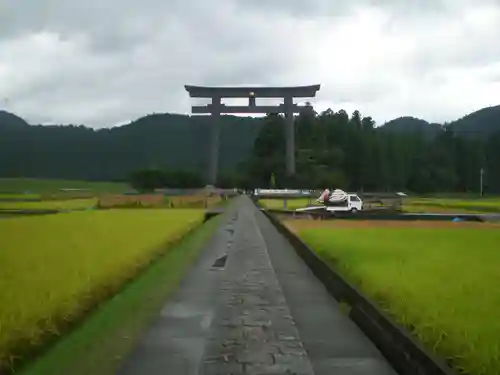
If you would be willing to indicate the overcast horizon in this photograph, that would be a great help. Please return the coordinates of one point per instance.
(106, 64)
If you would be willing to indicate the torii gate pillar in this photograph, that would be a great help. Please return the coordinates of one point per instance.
(213, 157)
(289, 137)
(216, 108)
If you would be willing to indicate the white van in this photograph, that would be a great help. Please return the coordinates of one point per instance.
(353, 204)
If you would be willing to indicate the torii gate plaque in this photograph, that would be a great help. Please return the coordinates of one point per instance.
(217, 108)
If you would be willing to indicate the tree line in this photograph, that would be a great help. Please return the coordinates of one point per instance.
(334, 149)
(163, 141)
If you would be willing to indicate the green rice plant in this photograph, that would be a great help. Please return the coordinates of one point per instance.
(439, 283)
(450, 204)
(72, 204)
(420, 208)
(54, 268)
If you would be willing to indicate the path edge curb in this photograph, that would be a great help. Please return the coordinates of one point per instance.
(404, 353)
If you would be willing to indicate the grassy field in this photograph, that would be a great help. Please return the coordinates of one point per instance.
(104, 339)
(69, 262)
(440, 281)
(39, 186)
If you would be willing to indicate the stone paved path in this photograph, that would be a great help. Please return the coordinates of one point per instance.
(251, 306)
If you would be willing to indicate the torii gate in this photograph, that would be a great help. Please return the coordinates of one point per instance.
(217, 108)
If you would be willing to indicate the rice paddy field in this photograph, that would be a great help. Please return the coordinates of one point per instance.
(438, 279)
(114, 201)
(19, 196)
(456, 205)
(68, 204)
(54, 268)
(33, 186)
(108, 200)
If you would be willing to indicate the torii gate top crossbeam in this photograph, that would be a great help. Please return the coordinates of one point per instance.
(245, 92)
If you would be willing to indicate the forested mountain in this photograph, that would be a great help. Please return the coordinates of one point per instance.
(10, 120)
(158, 140)
(333, 149)
(408, 125)
(479, 124)
(338, 150)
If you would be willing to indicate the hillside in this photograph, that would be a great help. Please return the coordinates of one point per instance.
(159, 140)
(484, 122)
(409, 125)
(166, 141)
(481, 124)
(10, 120)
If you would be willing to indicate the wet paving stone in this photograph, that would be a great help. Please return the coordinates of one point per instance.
(253, 332)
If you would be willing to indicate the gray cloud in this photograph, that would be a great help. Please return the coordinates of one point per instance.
(105, 62)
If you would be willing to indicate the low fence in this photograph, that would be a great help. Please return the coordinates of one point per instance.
(390, 201)
(158, 201)
(201, 191)
(129, 201)
(375, 214)
(406, 355)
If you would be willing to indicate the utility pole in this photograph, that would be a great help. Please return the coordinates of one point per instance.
(481, 182)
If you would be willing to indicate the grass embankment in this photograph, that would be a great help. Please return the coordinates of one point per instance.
(53, 269)
(439, 283)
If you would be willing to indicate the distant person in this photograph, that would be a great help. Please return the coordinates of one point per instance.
(325, 196)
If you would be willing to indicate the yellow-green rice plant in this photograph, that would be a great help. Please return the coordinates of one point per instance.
(54, 268)
(439, 283)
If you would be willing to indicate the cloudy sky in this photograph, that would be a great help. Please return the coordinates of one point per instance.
(105, 62)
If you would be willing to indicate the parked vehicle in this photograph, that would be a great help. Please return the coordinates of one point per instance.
(337, 201)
